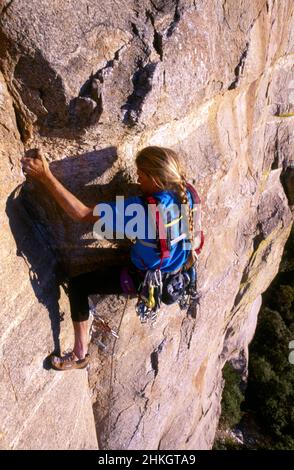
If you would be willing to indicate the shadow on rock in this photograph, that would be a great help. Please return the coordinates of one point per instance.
(33, 246)
(53, 245)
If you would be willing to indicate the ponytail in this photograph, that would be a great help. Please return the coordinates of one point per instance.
(162, 165)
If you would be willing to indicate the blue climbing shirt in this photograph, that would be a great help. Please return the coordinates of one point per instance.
(131, 218)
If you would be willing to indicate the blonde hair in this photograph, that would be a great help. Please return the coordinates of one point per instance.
(163, 167)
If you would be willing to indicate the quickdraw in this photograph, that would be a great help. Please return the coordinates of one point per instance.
(99, 327)
(149, 296)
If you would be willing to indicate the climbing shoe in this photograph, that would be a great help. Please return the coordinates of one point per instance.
(69, 361)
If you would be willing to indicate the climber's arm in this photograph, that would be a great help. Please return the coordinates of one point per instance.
(38, 169)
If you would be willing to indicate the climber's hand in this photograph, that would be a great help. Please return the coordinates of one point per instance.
(35, 166)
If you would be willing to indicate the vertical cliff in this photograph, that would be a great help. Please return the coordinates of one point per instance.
(91, 83)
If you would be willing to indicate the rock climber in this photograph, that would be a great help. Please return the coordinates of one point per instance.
(160, 174)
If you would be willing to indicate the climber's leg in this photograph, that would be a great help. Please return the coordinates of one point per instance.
(79, 288)
(106, 281)
(81, 339)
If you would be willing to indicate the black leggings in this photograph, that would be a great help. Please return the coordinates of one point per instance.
(101, 281)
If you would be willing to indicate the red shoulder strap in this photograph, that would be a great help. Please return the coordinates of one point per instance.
(198, 250)
(194, 194)
(160, 228)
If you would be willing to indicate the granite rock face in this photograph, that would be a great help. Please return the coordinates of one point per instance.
(90, 83)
